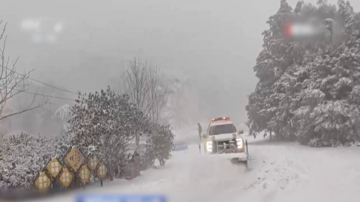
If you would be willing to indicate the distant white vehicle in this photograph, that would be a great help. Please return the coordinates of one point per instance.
(222, 137)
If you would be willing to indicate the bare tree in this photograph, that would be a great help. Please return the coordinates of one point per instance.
(13, 83)
(142, 82)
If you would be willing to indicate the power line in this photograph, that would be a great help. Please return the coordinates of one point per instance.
(53, 86)
(62, 98)
(23, 91)
(42, 82)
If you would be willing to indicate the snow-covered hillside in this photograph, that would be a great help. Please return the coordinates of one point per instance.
(281, 172)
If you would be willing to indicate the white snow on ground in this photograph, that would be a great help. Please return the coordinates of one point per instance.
(281, 172)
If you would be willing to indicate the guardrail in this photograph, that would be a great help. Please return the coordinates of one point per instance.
(180, 147)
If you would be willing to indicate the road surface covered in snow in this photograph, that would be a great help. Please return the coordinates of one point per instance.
(281, 172)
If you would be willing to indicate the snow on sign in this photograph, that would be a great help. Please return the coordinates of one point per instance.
(42, 181)
(74, 158)
(66, 177)
(92, 161)
(53, 167)
(84, 173)
(121, 197)
(101, 171)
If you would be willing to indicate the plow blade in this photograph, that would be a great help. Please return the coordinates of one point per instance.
(240, 161)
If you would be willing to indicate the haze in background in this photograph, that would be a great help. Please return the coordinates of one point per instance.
(211, 44)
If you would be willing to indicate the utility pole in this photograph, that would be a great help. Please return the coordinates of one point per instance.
(200, 130)
(329, 24)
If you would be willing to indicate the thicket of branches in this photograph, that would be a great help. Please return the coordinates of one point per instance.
(309, 90)
(13, 83)
(146, 89)
(142, 82)
(21, 156)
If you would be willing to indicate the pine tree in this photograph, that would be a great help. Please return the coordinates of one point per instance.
(313, 97)
(270, 65)
(158, 146)
(330, 119)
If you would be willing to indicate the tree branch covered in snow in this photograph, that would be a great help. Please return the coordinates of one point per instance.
(142, 82)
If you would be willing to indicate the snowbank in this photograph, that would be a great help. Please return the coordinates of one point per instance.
(281, 172)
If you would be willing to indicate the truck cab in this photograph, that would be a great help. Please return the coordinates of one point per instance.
(222, 137)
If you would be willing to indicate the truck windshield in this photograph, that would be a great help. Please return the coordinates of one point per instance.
(222, 129)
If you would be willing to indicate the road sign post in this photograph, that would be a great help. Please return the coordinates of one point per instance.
(101, 172)
(66, 177)
(53, 167)
(137, 164)
(74, 158)
(200, 131)
(84, 174)
(42, 181)
(92, 162)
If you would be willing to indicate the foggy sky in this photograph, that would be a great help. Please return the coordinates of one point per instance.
(215, 43)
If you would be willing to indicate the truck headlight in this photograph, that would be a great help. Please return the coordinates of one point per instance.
(239, 143)
(209, 146)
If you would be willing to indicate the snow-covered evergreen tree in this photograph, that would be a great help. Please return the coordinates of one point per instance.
(108, 122)
(271, 64)
(159, 145)
(313, 97)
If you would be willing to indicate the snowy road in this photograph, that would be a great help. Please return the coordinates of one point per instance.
(281, 172)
